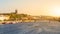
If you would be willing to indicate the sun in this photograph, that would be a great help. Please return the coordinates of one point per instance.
(55, 12)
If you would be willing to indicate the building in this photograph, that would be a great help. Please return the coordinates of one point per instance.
(9, 13)
(5, 16)
(2, 17)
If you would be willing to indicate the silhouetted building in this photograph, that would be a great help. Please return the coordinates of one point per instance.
(16, 11)
(9, 13)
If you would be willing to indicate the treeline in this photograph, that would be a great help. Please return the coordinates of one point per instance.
(14, 17)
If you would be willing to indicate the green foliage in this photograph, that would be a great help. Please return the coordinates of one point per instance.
(17, 16)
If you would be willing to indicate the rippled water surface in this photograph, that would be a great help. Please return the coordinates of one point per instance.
(31, 28)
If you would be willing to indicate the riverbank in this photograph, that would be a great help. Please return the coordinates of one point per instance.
(27, 21)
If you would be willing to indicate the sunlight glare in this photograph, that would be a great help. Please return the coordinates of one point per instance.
(55, 12)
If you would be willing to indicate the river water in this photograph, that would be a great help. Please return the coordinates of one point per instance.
(31, 28)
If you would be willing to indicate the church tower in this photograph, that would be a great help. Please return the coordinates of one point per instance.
(16, 11)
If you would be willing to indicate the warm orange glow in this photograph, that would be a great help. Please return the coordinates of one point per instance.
(55, 12)
(4, 17)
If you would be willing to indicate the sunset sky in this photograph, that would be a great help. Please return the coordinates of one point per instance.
(32, 7)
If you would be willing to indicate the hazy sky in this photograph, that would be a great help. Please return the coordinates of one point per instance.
(32, 7)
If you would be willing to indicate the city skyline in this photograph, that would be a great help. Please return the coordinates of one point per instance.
(32, 7)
